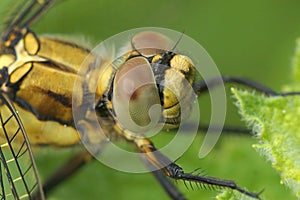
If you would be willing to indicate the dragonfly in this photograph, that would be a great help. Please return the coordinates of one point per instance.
(37, 78)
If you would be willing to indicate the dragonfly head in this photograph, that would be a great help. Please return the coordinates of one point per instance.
(153, 86)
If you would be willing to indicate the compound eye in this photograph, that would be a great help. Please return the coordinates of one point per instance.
(136, 101)
(150, 43)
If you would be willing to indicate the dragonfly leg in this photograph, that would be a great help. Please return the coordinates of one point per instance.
(158, 161)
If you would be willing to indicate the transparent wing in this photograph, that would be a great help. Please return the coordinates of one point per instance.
(19, 176)
(21, 13)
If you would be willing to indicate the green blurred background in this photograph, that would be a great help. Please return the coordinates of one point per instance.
(253, 39)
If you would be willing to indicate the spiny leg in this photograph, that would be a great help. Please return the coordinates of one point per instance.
(158, 161)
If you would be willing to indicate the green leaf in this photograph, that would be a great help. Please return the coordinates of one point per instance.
(276, 122)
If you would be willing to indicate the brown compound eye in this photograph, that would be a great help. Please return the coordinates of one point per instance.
(136, 101)
(150, 43)
(173, 73)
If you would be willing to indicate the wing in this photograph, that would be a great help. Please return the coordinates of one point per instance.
(19, 176)
(21, 13)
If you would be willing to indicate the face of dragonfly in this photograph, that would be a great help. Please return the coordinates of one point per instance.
(151, 86)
